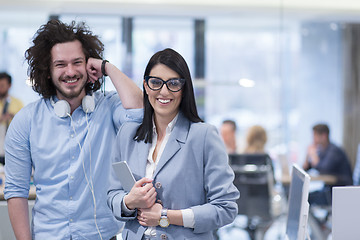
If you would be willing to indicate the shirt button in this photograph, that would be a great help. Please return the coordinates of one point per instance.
(163, 236)
(71, 220)
(158, 185)
(70, 198)
(72, 135)
(73, 157)
(71, 177)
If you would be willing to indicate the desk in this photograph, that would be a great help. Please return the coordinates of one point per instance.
(327, 179)
(32, 192)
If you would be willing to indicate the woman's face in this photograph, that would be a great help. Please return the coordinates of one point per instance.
(165, 102)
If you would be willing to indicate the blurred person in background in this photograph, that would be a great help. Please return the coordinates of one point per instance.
(256, 139)
(326, 158)
(9, 106)
(228, 134)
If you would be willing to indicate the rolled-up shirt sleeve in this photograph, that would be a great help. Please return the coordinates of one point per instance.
(18, 157)
(122, 115)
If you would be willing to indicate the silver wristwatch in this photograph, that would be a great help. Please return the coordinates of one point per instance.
(164, 221)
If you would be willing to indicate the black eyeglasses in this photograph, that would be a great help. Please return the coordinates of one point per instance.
(174, 84)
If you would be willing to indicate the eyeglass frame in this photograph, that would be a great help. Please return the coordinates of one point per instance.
(182, 80)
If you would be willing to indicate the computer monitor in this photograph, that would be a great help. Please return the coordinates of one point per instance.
(346, 212)
(298, 211)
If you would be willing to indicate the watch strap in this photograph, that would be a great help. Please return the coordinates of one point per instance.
(164, 212)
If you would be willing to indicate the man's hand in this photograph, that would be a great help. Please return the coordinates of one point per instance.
(313, 157)
(93, 68)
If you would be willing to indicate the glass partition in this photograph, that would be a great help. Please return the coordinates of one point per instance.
(280, 78)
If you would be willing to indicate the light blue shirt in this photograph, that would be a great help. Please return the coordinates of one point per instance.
(61, 151)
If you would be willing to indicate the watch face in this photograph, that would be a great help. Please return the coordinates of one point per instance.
(164, 222)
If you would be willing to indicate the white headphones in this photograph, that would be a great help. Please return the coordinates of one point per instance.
(62, 107)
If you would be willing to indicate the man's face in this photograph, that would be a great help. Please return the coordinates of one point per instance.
(68, 70)
(4, 87)
(227, 132)
(320, 138)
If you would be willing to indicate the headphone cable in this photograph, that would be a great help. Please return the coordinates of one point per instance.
(89, 183)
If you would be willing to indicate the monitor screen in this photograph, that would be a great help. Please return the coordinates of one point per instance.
(298, 210)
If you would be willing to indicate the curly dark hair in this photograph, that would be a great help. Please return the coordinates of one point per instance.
(38, 56)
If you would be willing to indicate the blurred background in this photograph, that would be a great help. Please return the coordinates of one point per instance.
(285, 65)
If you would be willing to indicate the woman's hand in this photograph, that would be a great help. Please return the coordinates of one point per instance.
(149, 216)
(142, 195)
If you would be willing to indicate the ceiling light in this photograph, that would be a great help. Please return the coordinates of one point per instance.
(248, 83)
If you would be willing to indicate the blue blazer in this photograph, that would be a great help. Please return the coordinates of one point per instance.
(193, 172)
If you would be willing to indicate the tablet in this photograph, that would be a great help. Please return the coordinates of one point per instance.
(124, 174)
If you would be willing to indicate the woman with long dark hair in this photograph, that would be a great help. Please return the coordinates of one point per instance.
(185, 186)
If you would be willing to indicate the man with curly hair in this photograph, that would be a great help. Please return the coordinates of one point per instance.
(66, 137)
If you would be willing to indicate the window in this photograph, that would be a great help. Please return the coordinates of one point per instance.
(287, 76)
(154, 34)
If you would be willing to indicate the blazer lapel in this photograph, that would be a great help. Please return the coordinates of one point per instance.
(177, 138)
(143, 152)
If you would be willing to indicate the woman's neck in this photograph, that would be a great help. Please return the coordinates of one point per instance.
(161, 124)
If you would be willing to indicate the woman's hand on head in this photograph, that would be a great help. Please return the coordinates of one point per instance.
(142, 195)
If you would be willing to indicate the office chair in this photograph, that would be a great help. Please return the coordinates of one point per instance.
(254, 177)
